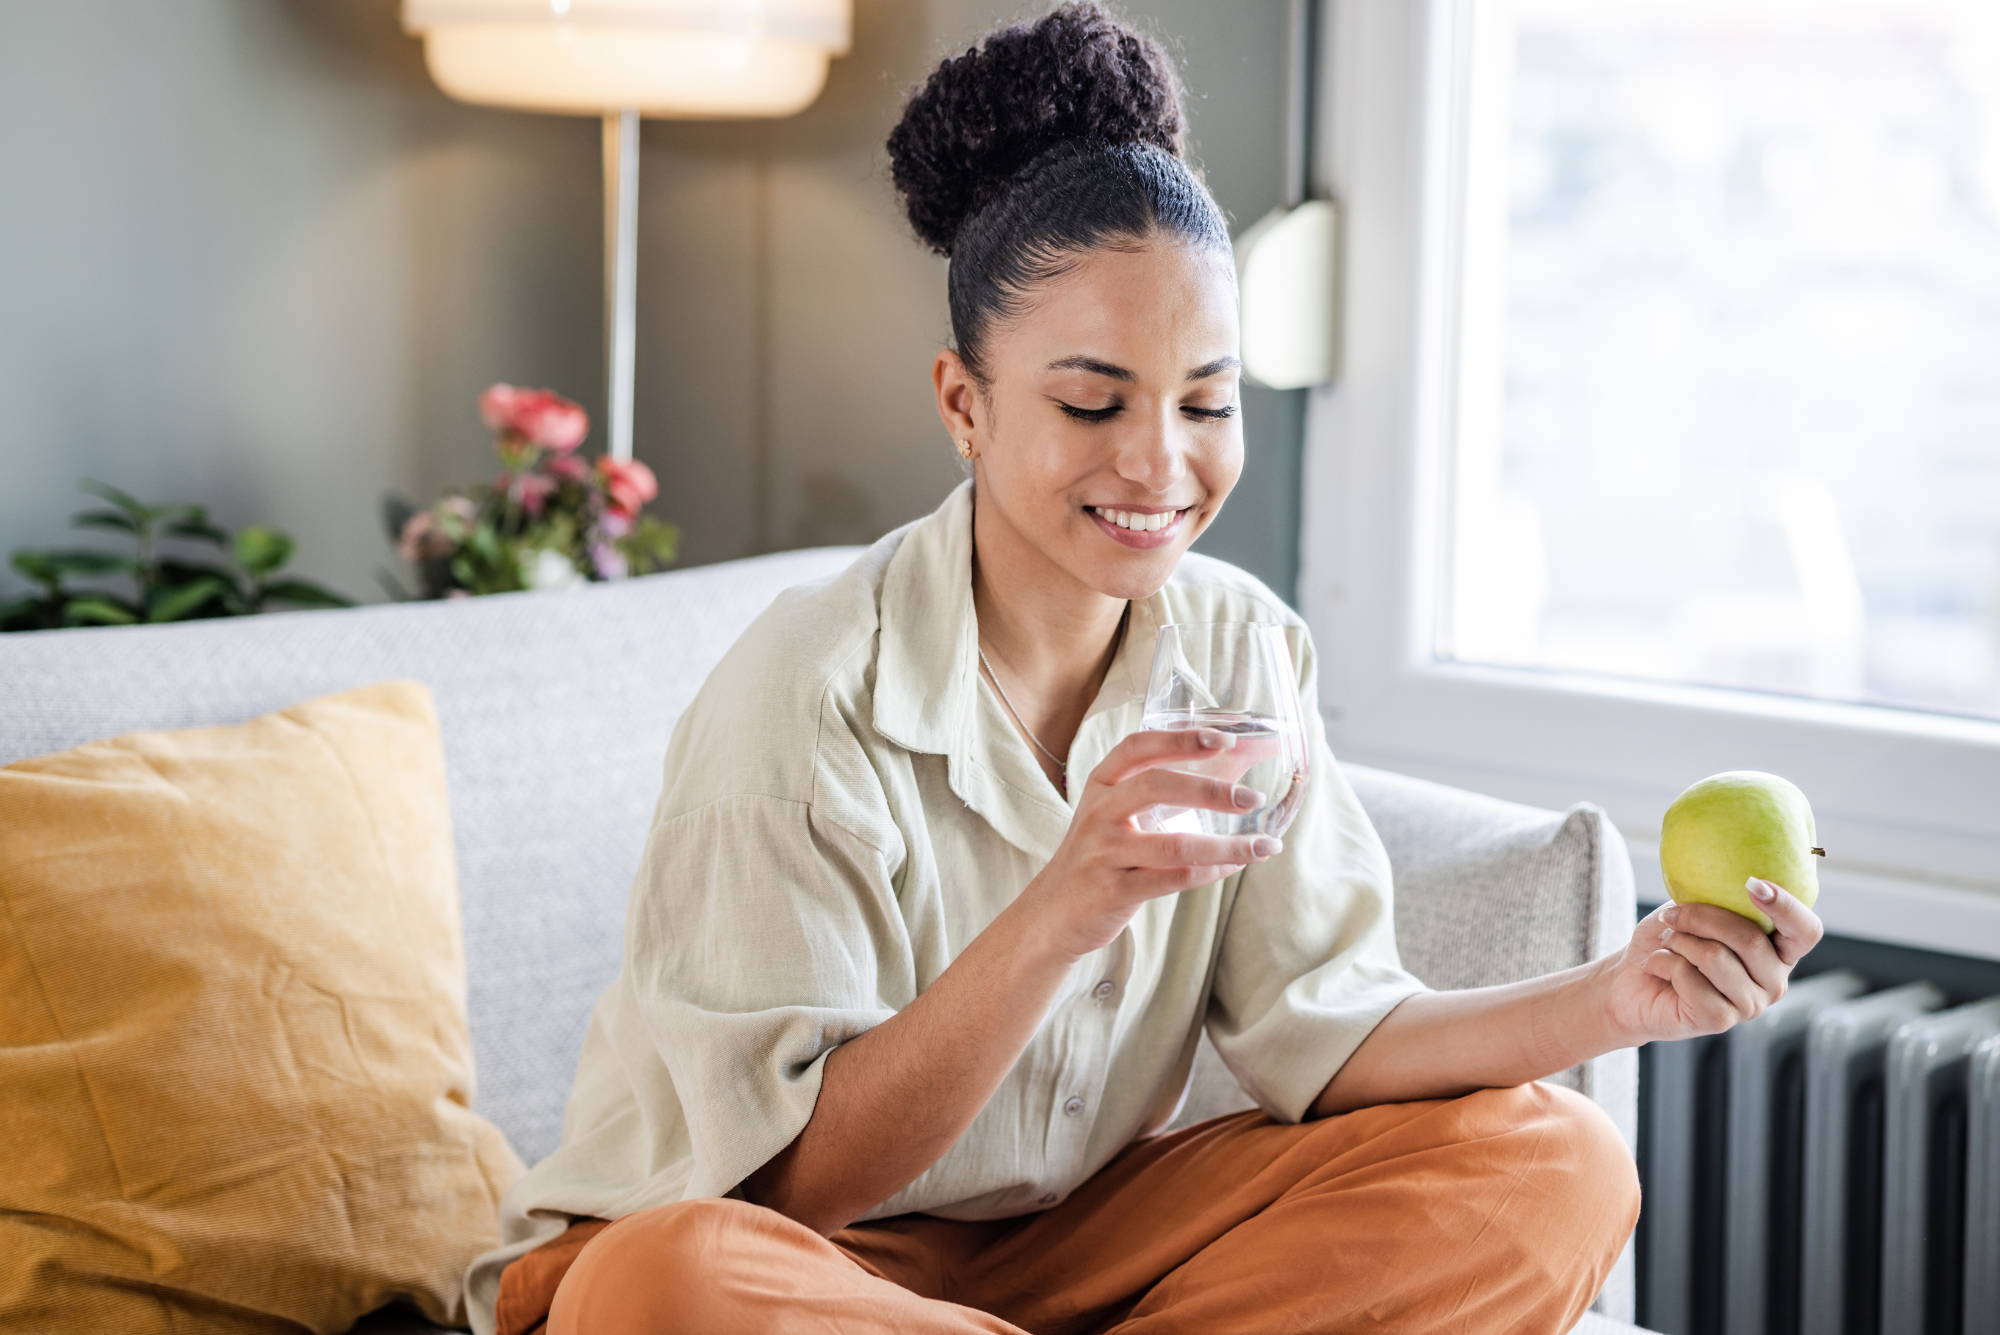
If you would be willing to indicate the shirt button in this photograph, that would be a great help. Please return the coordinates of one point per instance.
(1049, 1199)
(1073, 1107)
(1103, 990)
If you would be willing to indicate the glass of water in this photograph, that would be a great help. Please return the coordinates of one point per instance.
(1236, 677)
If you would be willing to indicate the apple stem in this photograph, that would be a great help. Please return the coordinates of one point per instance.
(1819, 852)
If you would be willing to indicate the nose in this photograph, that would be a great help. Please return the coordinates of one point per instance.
(1154, 455)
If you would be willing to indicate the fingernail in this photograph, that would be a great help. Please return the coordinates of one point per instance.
(1264, 846)
(1249, 799)
(1671, 914)
(1215, 741)
(1666, 935)
(1760, 890)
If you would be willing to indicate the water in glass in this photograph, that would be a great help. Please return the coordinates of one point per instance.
(1236, 678)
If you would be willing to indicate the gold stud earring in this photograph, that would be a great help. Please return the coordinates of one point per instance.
(965, 449)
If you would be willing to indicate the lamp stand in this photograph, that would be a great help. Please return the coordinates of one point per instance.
(621, 271)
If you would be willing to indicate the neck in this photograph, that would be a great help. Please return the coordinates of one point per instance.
(1050, 638)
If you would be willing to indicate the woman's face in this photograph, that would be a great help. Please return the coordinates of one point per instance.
(1108, 434)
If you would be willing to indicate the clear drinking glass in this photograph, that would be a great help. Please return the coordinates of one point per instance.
(1235, 677)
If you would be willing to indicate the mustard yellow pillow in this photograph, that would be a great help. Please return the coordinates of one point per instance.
(235, 1078)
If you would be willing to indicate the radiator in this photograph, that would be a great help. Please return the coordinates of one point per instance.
(1830, 1168)
(1982, 1213)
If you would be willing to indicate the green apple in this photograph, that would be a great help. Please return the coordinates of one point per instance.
(1730, 827)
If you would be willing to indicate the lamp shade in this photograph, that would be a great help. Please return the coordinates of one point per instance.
(674, 58)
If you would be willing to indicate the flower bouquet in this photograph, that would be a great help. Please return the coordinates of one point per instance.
(550, 520)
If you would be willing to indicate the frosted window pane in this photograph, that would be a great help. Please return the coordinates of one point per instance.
(1751, 352)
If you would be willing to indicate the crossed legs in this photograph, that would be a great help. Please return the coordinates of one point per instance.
(1498, 1212)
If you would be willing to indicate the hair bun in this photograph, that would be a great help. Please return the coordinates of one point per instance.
(1075, 73)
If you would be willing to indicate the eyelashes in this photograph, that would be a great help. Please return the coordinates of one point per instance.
(1106, 414)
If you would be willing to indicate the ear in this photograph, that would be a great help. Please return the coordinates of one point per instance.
(958, 402)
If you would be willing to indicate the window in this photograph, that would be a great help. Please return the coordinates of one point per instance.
(1741, 418)
(1667, 434)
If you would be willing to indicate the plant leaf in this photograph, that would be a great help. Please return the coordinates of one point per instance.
(42, 566)
(94, 610)
(305, 593)
(124, 500)
(35, 566)
(181, 601)
(651, 545)
(173, 574)
(262, 550)
(175, 571)
(197, 525)
(115, 520)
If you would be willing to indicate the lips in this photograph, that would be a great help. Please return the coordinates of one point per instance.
(1144, 529)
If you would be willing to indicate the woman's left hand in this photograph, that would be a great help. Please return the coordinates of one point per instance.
(1694, 969)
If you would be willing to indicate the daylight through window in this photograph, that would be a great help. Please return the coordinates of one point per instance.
(1729, 408)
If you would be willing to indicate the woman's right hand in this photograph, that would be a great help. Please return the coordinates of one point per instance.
(1108, 864)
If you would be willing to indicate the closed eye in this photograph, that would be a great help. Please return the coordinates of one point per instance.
(1209, 414)
(1089, 414)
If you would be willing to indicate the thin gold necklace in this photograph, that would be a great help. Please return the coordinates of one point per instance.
(994, 677)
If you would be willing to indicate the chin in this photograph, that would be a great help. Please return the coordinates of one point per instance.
(1134, 576)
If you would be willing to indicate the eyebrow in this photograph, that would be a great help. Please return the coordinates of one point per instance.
(1079, 362)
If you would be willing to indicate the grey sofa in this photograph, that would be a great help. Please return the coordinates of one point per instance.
(556, 710)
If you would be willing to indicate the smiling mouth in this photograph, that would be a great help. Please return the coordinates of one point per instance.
(1139, 521)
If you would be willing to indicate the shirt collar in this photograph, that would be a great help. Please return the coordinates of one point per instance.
(926, 668)
(927, 686)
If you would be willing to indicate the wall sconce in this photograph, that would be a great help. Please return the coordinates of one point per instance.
(623, 59)
(1288, 263)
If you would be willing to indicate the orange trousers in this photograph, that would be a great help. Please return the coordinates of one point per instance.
(1498, 1212)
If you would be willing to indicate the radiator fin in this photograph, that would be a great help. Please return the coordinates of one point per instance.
(1923, 1187)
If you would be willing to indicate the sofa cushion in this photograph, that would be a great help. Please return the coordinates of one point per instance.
(235, 1077)
(555, 709)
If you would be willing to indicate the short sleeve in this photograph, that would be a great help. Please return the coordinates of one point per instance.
(761, 936)
(1307, 965)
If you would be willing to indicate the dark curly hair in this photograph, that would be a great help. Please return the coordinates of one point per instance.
(1048, 140)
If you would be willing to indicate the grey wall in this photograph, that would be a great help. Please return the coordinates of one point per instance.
(250, 256)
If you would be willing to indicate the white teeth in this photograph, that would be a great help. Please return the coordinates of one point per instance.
(1138, 522)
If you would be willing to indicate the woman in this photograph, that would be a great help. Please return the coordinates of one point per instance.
(908, 995)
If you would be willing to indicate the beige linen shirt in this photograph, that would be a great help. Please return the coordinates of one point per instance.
(846, 806)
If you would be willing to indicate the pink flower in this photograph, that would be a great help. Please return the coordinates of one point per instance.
(531, 492)
(538, 415)
(630, 484)
(567, 467)
(496, 406)
(426, 536)
(420, 531)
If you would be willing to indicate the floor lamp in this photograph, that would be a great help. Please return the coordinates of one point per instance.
(623, 59)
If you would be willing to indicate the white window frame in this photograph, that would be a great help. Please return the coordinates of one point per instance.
(1908, 803)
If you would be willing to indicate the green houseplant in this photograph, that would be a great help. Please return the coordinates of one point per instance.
(183, 567)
